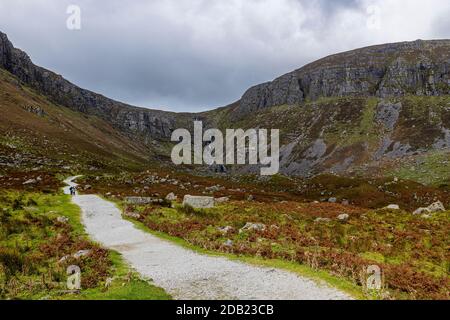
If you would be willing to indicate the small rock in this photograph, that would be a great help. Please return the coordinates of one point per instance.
(393, 207)
(318, 220)
(249, 226)
(225, 230)
(345, 202)
(222, 200)
(228, 243)
(332, 200)
(82, 253)
(214, 188)
(343, 217)
(63, 259)
(133, 215)
(421, 211)
(171, 197)
(435, 207)
(250, 198)
(62, 219)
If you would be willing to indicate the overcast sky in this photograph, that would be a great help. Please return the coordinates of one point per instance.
(192, 55)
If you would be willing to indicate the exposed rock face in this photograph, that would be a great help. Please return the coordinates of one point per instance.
(387, 114)
(419, 67)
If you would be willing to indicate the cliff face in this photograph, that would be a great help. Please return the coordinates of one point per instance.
(419, 68)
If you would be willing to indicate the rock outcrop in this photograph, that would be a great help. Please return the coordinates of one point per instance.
(419, 68)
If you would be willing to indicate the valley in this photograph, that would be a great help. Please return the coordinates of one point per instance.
(364, 143)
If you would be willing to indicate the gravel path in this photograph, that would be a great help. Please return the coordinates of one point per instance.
(186, 274)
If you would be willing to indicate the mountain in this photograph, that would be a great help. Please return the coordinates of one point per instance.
(417, 68)
(374, 110)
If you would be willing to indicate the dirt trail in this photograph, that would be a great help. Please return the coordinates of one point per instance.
(186, 274)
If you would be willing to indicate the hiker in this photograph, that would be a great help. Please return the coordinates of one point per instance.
(72, 191)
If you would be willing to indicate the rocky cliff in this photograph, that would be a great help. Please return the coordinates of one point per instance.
(420, 68)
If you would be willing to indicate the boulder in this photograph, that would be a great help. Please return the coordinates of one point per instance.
(225, 230)
(435, 207)
(198, 202)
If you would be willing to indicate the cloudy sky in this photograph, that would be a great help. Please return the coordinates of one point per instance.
(192, 55)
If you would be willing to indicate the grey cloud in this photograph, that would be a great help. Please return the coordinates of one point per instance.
(188, 55)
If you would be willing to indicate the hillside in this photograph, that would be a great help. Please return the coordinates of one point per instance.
(40, 135)
(376, 110)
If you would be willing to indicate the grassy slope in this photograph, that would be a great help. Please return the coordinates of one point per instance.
(60, 133)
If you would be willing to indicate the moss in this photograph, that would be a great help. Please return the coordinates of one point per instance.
(432, 168)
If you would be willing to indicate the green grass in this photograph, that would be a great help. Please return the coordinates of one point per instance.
(434, 169)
